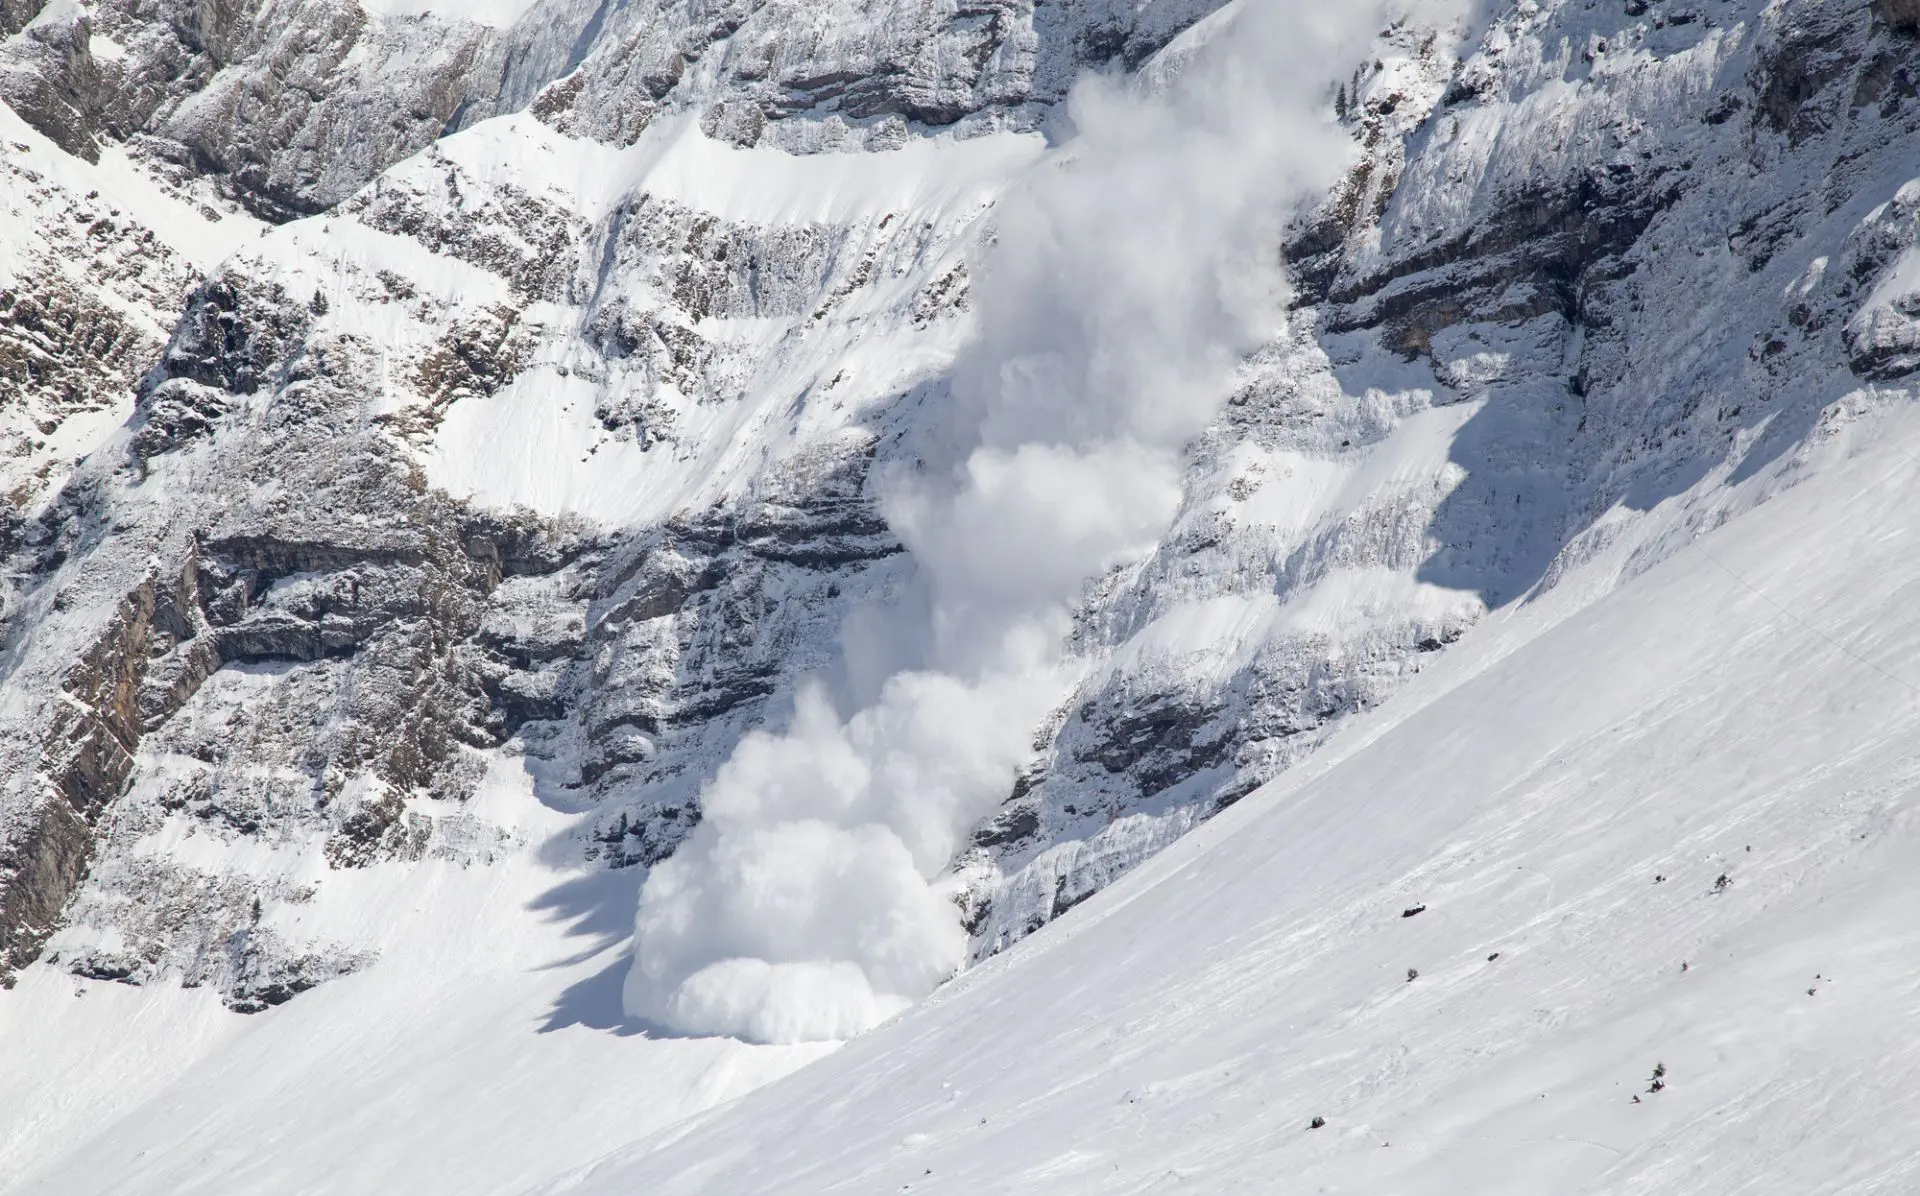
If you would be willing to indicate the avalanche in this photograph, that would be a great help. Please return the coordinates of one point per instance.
(1563, 793)
(469, 466)
(1116, 301)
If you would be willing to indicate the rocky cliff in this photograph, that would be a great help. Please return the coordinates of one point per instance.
(387, 392)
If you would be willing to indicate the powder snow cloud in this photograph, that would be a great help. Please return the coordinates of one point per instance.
(1128, 277)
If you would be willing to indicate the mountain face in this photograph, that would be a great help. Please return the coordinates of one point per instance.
(419, 627)
(393, 397)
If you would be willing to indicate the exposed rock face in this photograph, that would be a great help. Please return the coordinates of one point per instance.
(1551, 230)
(811, 76)
(84, 310)
(1900, 14)
(579, 460)
(49, 77)
(291, 105)
(346, 651)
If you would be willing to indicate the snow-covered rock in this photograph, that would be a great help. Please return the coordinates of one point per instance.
(544, 436)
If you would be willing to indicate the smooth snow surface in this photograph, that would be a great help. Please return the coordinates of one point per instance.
(1563, 793)
(1655, 820)
(1179, 1030)
(479, 1055)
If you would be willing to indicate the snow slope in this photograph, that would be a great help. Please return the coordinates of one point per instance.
(496, 14)
(1746, 709)
(1179, 1030)
(475, 1059)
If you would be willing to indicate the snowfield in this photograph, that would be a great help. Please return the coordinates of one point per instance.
(538, 444)
(479, 1057)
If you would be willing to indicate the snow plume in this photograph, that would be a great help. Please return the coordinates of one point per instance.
(1126, 281)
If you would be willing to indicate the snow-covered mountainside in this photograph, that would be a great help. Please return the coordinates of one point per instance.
(474, 473)
(1618, 897)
